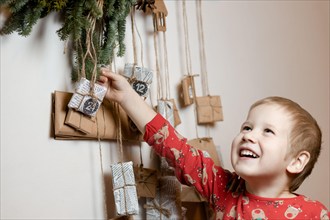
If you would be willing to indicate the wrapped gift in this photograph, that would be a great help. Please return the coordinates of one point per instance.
(139, 77)
(105, 126)
(124, 189)
(146, 181)
(166, 109)
(167, 204)
(165, 168)
(208, 148)
(187, 84)
(209, 109)
(79, 121)
(177, 119)
(159, 15)
(87, 99)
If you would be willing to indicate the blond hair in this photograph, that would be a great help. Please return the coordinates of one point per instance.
(305, 135)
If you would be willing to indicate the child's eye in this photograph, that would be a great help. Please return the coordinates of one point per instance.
(246, 128)
(267, 130)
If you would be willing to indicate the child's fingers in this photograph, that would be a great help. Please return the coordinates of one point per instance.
(103, 79)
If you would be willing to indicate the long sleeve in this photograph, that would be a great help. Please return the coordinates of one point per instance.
(192, 166)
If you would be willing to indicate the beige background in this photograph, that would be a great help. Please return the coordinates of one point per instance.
(253, 48)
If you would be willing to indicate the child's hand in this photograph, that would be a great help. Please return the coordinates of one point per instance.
(118, 87)
(120, 91)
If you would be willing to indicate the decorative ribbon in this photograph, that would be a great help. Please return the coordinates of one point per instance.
(162, 211)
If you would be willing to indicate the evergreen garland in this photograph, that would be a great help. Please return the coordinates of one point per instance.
(108, 35)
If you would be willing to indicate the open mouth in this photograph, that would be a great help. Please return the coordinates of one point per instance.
(248, 153)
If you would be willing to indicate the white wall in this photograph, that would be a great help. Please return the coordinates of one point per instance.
(253, 49)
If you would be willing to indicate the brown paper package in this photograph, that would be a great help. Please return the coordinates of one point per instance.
(105, 126)
(209, 109)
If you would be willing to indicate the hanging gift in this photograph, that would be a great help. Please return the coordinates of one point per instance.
(167, 204)
(177, 119)
(80, 121)
(87, 98)
(146, 181)
(209, 109)
(124, 189)
(139, 77)
(166, 109)
(105, 121)
(208, 148)
(188, 91)
(159, 15)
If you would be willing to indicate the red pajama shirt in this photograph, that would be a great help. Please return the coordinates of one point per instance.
(196, 168)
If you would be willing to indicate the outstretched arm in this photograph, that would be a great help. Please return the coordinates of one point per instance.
(120, 91)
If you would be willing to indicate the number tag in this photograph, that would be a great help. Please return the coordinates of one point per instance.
(90, 106)
(140, 87)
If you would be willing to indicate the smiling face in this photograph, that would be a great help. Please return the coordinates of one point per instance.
(261, 147)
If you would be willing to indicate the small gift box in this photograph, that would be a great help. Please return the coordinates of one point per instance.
(209, 109)
(124, 189)
(139, 77)
(187, 90)
(168, 109)
(167, 204)
(146, 182)
(79, 121)
(85, 99)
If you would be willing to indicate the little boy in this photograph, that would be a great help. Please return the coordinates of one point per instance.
(274, 152)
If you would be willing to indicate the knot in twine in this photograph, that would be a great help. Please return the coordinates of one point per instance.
(161, 210)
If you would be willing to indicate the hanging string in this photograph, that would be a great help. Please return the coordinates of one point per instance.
(167, 76)
(159, 81)
(134, 28)
(186, 37)
(204, 74)
(133, 35)
(188, 60)
(202, 48)
(102, 173)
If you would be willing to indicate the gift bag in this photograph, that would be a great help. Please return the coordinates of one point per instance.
(209, 109)
(166, 205)
(208, 148)
(146, 181)
(87, 99)
(104, 124)
(124, 188)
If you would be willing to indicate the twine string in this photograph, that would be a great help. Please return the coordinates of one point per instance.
(162, 211)
(186, 38)
(204, 74)
(159, 80)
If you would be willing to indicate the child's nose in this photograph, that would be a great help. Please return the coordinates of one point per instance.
(249, 137)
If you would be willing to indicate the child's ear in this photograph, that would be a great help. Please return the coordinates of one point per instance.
(299, 162)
